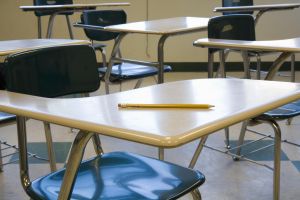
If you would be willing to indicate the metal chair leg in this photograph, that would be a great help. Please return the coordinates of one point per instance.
(222, 71)
(138, 83)
(293, 74)
(196, 194)
(210, 64)
(50, 149)
(69, 27)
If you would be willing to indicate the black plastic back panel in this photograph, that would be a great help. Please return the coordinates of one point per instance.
(52, 72)
(102, 18)
(50, 2)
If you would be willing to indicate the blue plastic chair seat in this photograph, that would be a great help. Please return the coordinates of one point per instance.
(6, 117)
(120, 175)
(284, 112)
(131, 71)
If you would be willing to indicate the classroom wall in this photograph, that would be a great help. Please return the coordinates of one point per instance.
(16, 24)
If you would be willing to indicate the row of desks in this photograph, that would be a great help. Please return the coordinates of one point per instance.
(155, 127)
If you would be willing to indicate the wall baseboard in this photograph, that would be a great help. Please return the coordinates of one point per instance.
(230, 66)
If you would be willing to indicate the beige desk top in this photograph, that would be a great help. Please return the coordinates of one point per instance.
(71, 6)
(269, 7)
(163, 26)
(13, 46)
(235, 100)
(285, 45)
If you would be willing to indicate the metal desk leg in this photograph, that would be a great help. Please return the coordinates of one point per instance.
(39, 21)
(160, 58)
(246, 61)
(277, 64)
(161, 153)
(222, 71)
(69, 27)
(74, 161)
(198, 151)
(50, 25)
(277, 152)
(114, 53)
(210, 64)
(50, 149)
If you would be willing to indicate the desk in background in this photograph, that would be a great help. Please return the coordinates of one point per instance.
(157, 127)
(58, 9)
(162, 27)
(260, 8)
(286, 47)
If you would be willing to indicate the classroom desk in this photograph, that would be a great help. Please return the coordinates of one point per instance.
(157, 127)
(162, 27)
(260, 8)
(287, 47)
(58, 9)
(13, 46)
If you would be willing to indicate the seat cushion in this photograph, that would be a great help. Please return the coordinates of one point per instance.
(127, 71)
(121, 175)
(283, 112)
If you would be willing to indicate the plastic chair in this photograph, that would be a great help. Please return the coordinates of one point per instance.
(40, 14)
(233, 27)
(51, 72)
(231, 3)
(120, 72)
(282, 113)
(59, 71)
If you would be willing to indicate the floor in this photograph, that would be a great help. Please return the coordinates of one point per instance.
(225, 179)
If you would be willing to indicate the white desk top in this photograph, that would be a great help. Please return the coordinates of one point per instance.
(71, 6)
(285, 45)
(163, 26)
(235, 100)
(257, 7)
(13, 46)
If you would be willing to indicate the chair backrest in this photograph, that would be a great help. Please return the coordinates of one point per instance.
(102, 18)
(231, 27)
(232, 3)
(53, 71)
(50, 2)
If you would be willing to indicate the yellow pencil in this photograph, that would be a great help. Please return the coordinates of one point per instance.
(135, 105)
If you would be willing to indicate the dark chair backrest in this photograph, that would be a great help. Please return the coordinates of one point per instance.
(50, 2)
(52, 72)
(232, 3)
(102, 18)
(232, 27)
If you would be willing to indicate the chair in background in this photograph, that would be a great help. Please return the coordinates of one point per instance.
(51, 73)
(57, 71)
(282, 113)
(40, 14)
(232, 3)
(92, 21)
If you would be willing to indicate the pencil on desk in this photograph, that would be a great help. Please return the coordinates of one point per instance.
(135, 105)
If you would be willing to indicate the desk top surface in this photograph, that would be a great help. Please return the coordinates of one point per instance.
(72, 6)
(235, 100)
(163, 26)
(13, 46)
(258, 7)
(285, 45)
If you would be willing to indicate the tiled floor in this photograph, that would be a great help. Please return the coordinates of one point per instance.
(225, 178)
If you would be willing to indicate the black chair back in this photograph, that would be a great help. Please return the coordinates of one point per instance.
(52, 72)
(232, 27)
(232, 3)
(50, 2)
(102, 18)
